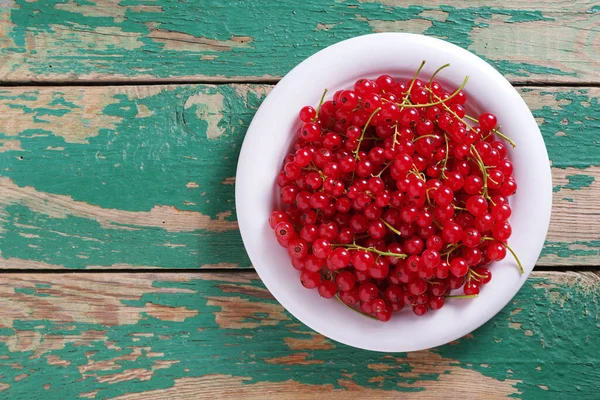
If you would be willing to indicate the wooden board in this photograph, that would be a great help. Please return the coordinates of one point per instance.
(143, 176)
(107, 40)
(221, 335)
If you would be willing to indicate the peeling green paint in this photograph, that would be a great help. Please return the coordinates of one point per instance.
(569, 199)
(555, 347)
(144, 39)
(576, 182)
(594, 9)
(571, 130)
(135, 165)
(572, 249)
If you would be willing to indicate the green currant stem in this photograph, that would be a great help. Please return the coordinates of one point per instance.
(462, 296)
(443, 102)
(421, 137)
(448, 250)
(383, 170)
(503, 136)
(511, 252)
(483, 169)
(445, 158)
(395, 137)
(390, 227)
(427, 195)
(320, 104)
(497, 132)
(370, 249)
(459, 208)
(414, 171)
(337, 296)
(362, 135)
(414, 78)
(476, 274)
(436, 72)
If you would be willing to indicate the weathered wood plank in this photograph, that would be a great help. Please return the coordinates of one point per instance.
(139, 176)
(154, 336)
(107, 40)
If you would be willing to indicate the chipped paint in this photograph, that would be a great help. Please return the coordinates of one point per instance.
(176, 40)
(217, 349)
(131, 195)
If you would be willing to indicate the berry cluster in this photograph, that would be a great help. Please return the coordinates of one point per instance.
(394, 197)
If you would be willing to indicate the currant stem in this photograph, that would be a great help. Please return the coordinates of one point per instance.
(483, 169)
(436, 72)
(445, 158)
(503, 136)
(421, 137)
(511, 252)
(362, 135)
(435, 103)
(497, 132)
(462, 296)
(414, 78)
(390, 227)
(383, 170)
(320, 103)
(395, 136)
(471, 272)
(370, 249)
(515, 256)
(337, 296)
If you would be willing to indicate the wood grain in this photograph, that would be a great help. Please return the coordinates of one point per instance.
(220, 335)
(143, 176)
(106, 40)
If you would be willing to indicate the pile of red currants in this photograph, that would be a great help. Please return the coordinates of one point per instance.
(393, 196)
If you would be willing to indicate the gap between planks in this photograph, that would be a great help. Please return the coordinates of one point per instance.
(540, 268)
(224, 81)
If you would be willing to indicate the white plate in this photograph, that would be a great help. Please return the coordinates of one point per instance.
(272, 132)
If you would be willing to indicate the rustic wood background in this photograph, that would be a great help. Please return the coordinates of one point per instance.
(123, 274)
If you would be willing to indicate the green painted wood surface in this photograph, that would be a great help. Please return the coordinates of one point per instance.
(135, 177)
(222, 335)
(143, 176)
(48, 40)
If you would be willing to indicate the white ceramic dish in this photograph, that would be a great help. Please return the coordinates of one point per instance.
(272, 132)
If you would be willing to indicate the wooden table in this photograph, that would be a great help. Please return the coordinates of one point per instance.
(123, 272)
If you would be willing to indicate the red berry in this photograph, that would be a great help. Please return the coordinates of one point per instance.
(312, 263)
(285, 231)
(471, 288)
(327, 289)
(277, 217)
(321, 248)
(384, 316)
(436, 302)
(459, 267)
(363, 260)
(311, 132)
(420, 309)
(487, 121)
(350, 297)
(471, 237)
(310, 280)
(378, 305)
(298, 248)
(345, 281)
(367, 291)
(307, 114)
(380, 270)
(340, 258)
(452, 232)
